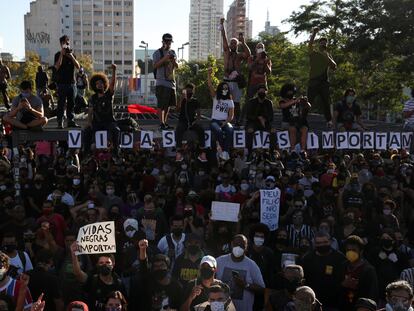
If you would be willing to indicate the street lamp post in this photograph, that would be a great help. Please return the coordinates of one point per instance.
(145, 46)
(179, 53)
(182, 47)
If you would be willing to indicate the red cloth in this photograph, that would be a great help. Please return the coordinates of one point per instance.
(136, 108)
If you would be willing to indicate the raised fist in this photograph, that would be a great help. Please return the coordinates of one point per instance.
(143, 244)
(315, 29)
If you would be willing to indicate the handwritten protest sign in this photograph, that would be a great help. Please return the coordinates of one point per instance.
(97, 238)
(225, 211)
(269, 208)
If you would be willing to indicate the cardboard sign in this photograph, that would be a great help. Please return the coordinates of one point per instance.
(269, 208)
(74, 138)
(97, 238)
(101, 139)
(127, 140)
(168, 139)
(225, 211)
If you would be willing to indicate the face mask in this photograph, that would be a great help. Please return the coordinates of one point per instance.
(386, 211)
(184, 166)
(237, 251)
(282, 241)
(177, 231)
(350, 99)
(259, 50)
(224, 92)
(261, 95)
(130, 233)
(3, 274)
(352, 256)
(217, 306)
(193, 249)
(244, 187)
(323, 250)
(258, 241)
(76, 182)
(160, 274)
(206, 273)
(399, 306)
(110, 191)
(105, 270)
(9, 248)
(183, 180)
(291, 285)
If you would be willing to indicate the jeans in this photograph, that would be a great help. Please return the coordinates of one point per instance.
(224, 134)
(182, 127)
(66, 95)
(319, 87)
(112, 129)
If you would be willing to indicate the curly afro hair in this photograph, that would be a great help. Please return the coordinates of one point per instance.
(95, 78)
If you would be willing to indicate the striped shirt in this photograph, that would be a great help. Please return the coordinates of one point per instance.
(11, 289)
(408, 275)
(409, 106)
(294, 236)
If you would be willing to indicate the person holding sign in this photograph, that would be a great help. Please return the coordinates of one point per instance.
(294, 115)
(222, 114)
(98, 285)
(101, 110)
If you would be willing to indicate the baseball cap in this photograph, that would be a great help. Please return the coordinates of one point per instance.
(366, 303)
(167, 37)
(270, 178)
(210, 260)
(77, 305)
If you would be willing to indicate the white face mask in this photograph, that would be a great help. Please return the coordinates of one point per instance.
(217, 306)
(258, 241)
(259, 50)
(76, 182)
(224, 92)
(244, 187)
(183, 180)
(130, 233)
(110, 191)
(237, 251)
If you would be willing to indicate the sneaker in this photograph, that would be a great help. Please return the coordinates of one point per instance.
(73, 124)
(202, 157)
(162, 127)
(168, 127)
(178, 157)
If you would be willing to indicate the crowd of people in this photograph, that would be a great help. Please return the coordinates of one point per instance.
(345, 236)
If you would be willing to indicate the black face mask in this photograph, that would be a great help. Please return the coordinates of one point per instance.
(387, 243)
(9, 248)
(160, 274)
(177, 232)
(105, 270)
(206, 273)
(348, 220)
(282, 241)
(261, 95)
(323, 249)
(291, 285)
(193, 249)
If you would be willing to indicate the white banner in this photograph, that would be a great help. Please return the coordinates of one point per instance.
(225, 211)
(328, 140)
(127, 140)
(97, 238)
(395, 140)
(147, 139)
(381, 141)
(239, 139)
(342, 140)
(368, 140)
(312, 141)
(257, 140)
(265, 140)
(101, 139)
(283, 139)
(406, 139)
(354, 140)
(168, 139)
(74, 138)
(269, 208)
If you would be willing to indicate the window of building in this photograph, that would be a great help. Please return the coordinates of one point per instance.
(128, 13)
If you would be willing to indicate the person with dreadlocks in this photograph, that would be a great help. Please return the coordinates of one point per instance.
(101, 112)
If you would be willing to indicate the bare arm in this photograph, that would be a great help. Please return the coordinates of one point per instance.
(312, 38)
(60, 59)
(246, 49)
(77, 271)
(75, 62)
(332, 63)
(162, 61)
(113, 79)
(268, 67)
(224, 37)
(287, 104)
(230, 115)
(210, 83)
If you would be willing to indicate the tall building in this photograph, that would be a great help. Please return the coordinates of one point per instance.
(103, 29)
(237, 20)
(205, 36)
(270, 30)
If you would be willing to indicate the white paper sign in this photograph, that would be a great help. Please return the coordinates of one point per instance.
(101, 139)
(406, 139)
(327, 140)
(147, 139)
(225, 211)
(312, 141)
(368, 140)
(269, 208)
(239, 139)
(354, 140)
(395, 140)
(74, 138)
(283, 139)
(381, 141)
(207, 139)
(168, 139)
(257, 140)
(266, 140)
(97, 238)
(342, 140)
(127, 140)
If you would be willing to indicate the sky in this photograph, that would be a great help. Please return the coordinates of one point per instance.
(152, 19)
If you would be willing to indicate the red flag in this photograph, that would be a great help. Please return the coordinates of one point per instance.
(135, 108)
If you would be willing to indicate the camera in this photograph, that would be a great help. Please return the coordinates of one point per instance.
(67, 48)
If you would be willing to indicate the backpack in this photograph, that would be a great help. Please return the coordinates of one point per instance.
(161, 56)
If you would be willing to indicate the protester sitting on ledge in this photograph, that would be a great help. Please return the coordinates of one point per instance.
(101, 112)
(347, 114)
(27, 110)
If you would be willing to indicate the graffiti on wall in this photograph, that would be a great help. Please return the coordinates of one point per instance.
(37, 37)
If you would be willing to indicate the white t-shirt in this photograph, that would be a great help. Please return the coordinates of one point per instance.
(179, 246)
(222, 189)
(15, 261)
(221, 109)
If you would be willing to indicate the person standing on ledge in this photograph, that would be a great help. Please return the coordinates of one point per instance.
(320, 61)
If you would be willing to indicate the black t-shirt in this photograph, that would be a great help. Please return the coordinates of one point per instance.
(294, 113)
(171, 292)
(203, 297)
(98, 290)
(185, 270)
(66, 72)
(347, 114)
(45, 282)
(257, 109)
(102, 107)
(188, 110)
